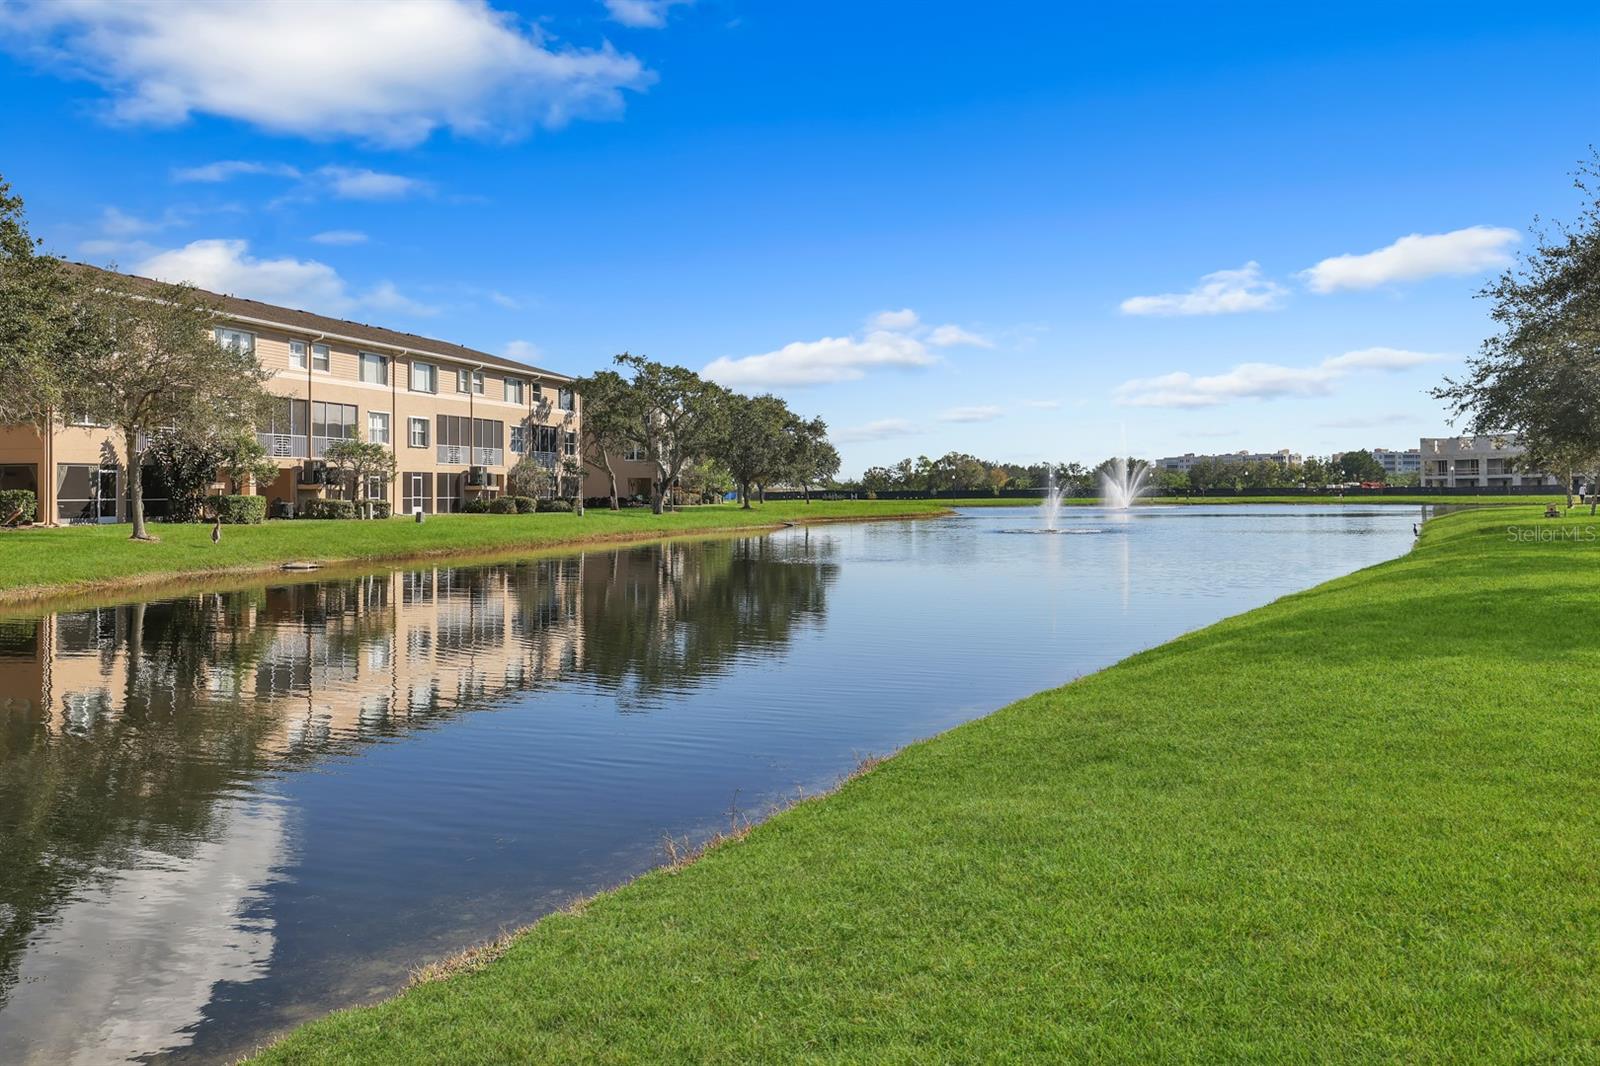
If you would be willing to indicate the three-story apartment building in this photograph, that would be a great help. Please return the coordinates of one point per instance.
(456, 419)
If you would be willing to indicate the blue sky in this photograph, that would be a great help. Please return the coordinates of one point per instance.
(1019, 230)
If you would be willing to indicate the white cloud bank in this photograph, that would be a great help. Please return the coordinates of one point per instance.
(390, 72)
(1262, 381)
(987, 412)
(340, 182)
(226, 266)
(1224, 292)
(642, 14)
(1412, 258)
(892, 339)
(882, 429)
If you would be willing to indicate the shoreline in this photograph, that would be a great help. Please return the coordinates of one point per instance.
(1143, 791)
(97, 592)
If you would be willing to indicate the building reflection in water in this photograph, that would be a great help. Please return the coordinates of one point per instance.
(140, 835)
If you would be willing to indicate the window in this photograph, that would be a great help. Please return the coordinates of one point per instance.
(416, 492)
(417, 432)
(236, 340)
(565, 399)
(424, 377)
(319, 357)
(545, 439)
(516, 390)
(469, 381)
(374, 369)
(331, 422)
(572, 443)
(519, 442)
(378, 427)
(297, 355)
(538, 394)
(78, 418)
(377, 487)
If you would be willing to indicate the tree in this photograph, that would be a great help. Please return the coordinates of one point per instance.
(151, 362)
(530, 477)
(755, 443)
(606, 411)
(812, 458)
(1538, 378)
(359, 460)
(674, 416)
(37, 301)
(572, 478)
(181, 470)
(1360, 465)
(243, 460)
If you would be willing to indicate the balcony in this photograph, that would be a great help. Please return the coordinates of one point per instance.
(454, 454)
(319, 445)
(281, 445)
(488, 457)
(461, 455)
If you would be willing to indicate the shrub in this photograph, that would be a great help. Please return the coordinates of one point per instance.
(382, 509)
(502, 505)
(525, 504)
(328, 509)
(872, 494)
(475, 506)
(556, 506)
(238, 510)
(13, 499)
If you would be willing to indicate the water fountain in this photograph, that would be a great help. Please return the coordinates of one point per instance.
(1122, 484)
(1052, 504)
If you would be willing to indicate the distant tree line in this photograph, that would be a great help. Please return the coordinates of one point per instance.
(960, 472)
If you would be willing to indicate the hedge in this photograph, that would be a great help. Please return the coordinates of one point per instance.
(502, 505)
(525, 504)
(476, 505)
(557, 506)
(13, 499)
(238, 510)
(328, 509)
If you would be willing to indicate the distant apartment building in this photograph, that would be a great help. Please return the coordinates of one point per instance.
(1182, 463)
(1399, 462)
(456, 419)
(634, 472)
(1481, 462)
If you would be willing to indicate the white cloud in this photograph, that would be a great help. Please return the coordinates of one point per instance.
(117, 223)
(1042, 405)
(893, 339)
(1411, 258)
(953, 336)
(1262, 381)
(821, 362)
(339, 237)
(1223, 292)
(500, 299)
(902, 320)
(527, 351)
(226, 266)
(385, 296)
(979, 413)
(228, 169)
(1366, 421)
(882, 429)
(642, 14)
(359, 183)
(389, 72)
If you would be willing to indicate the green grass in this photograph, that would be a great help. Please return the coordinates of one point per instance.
(46, 561)
(1359, 824)
(1349, 501)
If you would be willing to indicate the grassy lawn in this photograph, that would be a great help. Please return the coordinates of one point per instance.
(1272, 840)
(40, 560)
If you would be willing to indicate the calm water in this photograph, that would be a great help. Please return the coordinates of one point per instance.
(222, 814)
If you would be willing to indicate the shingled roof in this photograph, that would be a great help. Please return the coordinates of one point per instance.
(310, 323)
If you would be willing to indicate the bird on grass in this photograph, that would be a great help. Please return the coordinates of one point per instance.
(216, 531)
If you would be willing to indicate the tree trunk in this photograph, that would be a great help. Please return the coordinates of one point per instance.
(762, 493)
(805, 491)
(744, 495)
(615, 506)
(135, 456)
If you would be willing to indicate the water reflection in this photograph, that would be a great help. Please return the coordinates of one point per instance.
(136, 851)
(224, 813)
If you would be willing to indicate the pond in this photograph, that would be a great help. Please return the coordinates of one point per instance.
(224, 813)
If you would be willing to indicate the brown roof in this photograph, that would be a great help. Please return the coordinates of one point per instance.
(311, 323)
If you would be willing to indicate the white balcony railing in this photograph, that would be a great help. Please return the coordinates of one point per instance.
(453, 454)
(319, 445)
(281, 445)
(488, 456)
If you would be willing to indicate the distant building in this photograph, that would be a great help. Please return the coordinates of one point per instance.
(1182, 463)
(1393, 462)
(1481, 462)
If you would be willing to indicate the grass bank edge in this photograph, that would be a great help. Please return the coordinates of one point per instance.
(68, 558)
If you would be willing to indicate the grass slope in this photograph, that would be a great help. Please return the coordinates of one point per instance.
(37, 560)
(1272, 840)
